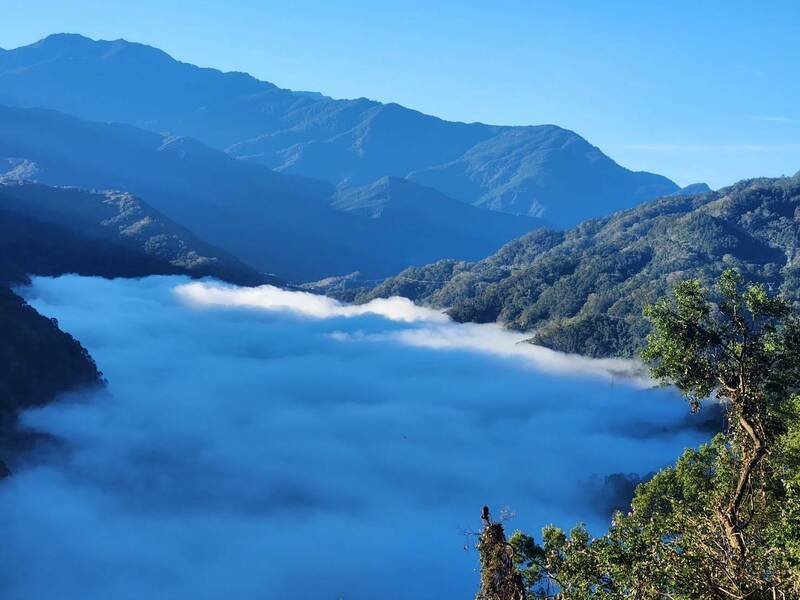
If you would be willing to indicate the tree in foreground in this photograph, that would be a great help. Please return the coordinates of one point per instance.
(724, 521)
(500, 578)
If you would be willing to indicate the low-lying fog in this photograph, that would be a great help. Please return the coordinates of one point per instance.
(263, 444)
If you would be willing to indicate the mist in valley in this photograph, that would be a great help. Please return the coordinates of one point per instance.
(256, 442)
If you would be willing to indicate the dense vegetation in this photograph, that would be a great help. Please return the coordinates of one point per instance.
(724, 522)
(583, 290)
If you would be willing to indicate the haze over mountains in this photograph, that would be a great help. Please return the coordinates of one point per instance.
(542, 171)
(50, 231)
(277, 223)
(240, 323)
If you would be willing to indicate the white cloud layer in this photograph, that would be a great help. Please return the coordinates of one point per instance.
(267, 297)
(441, 333)
(269, 444)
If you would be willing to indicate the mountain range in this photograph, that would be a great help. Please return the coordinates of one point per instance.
(117, 160)
(298, 228)
(583, 290)
(543, 171)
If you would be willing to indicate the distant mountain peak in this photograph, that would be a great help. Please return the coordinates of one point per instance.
(692, 189)
(77, 45)
(63, 40)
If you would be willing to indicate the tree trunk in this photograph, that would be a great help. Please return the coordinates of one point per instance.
(500, 579)
(730, 515)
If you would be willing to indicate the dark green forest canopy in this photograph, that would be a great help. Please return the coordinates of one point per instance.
(583, 289)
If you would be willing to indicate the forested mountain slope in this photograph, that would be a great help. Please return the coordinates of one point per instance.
(121, 235)
(542, 171)
(583, 290)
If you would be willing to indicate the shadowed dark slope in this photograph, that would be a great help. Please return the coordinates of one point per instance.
(37, 362)
(122, 229)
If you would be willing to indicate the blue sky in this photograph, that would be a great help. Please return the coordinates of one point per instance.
(696, 91)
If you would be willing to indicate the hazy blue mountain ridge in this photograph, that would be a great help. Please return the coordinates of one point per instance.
(692, 189)
(121, 220)
(537, 170)
(282, 224)
(544, 171)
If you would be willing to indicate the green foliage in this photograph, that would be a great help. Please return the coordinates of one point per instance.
(591, 335)
(567, 565)
(724, 521)
(606, 271)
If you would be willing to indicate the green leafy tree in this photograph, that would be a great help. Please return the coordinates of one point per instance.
(724, 521)
(747, 352)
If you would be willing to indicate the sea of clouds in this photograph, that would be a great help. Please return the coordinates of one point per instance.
(265, 444)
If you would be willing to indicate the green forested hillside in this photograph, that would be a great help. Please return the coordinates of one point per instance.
(583, 290)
